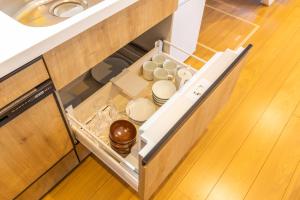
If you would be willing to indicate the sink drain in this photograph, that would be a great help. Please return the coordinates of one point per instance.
(68, 8)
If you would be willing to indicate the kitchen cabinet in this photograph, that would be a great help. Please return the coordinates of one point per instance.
(168, 135)
(30, 144)
(186, 25)
(33, 135)
(163, 140)
(48, 180)
(103, 39)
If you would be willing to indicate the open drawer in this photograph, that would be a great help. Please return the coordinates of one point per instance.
(167, 136)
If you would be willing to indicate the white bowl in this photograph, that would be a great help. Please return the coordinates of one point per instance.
(163, 89)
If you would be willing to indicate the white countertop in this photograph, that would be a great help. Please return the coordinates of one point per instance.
(20, 44)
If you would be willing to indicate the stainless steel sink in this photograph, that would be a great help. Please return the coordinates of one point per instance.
(44, 12)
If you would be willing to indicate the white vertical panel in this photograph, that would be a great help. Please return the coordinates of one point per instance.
(186, 26)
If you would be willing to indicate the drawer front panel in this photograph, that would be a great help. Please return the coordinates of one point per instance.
(31, 143)
(76, 56)
(157, 165)
(45, 183)
(21, 82)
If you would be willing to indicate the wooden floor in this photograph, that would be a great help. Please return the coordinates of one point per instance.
(252, 149)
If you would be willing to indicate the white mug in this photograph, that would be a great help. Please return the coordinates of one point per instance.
(170, 66)
(148, 69)
(159, 59)
(162, 74)
(182, 76)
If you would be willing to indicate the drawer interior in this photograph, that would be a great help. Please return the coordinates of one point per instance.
(110, 100)
(113, 99)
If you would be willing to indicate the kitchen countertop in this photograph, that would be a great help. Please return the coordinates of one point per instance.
(20, 44)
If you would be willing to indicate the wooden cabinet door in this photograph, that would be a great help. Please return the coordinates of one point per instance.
(30, 144)
(160, 161)
(71, 59)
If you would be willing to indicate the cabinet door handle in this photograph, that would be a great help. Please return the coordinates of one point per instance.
(24, 102)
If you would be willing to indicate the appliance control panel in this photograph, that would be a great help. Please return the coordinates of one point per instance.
(198, 89)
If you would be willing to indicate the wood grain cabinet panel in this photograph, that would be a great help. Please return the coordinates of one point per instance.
(23, 81)
(51, 178)
(79, 54)
(30, 144)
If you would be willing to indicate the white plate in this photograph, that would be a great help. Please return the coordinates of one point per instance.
(159, 100)
(159, 104)
(163, 89)
(153, 95)
(140, 109)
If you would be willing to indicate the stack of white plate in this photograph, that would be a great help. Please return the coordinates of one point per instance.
(162, 91)
(139, 110)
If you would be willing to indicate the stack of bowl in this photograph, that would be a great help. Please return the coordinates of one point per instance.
(162, 91)
(122, 136)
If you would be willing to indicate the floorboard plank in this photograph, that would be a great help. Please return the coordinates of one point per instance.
(248, 161)
(293, 190)
(297, 111)
(82, 183)
(232, 28)
(276, 174)
(114, 189)
(210, 166)
(178, 195)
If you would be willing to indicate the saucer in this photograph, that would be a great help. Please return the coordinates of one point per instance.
(139, 110)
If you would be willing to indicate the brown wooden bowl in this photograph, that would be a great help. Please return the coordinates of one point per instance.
(122, 132)
(123, 152)
(122, 146)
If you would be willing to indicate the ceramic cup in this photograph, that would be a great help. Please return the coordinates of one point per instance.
(182, 76)
(161, 74)
(148, 69)
(159, 59)
(170, 66)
